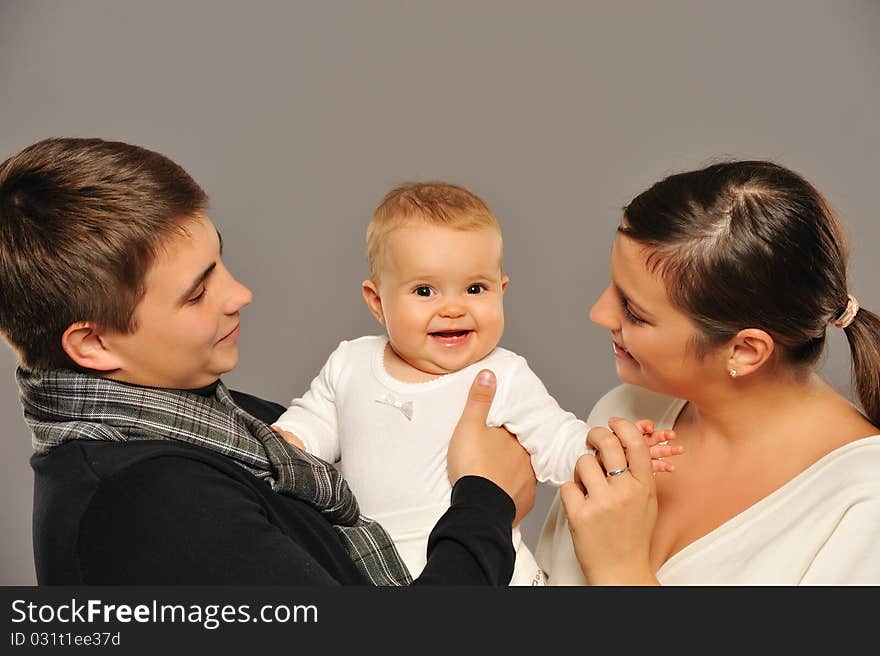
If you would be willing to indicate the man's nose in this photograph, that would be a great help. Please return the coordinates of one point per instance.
(238, 296)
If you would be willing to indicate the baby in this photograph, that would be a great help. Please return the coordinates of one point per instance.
(385, 406)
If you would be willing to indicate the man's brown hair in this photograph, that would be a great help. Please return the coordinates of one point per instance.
(431, 203)
(81, 221)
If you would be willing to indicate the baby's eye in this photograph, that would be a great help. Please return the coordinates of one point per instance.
(423, 290)
(476, 288)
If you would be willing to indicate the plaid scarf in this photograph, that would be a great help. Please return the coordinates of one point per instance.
(63, 405)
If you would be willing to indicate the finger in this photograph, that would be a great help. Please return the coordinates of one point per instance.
(591, 475)
(289, 437)
(479, 400)
(666, 450)
(646, 425)
(573, 499)
(633, 441)
(610, 450)
(659, 436)
(658, 466)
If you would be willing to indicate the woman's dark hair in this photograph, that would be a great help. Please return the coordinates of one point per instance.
(751, 244)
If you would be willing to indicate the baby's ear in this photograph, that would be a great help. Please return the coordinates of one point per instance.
(373, 300)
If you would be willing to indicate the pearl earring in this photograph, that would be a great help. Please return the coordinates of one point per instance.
(732, 373)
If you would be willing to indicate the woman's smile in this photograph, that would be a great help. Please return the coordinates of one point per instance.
(620, 352)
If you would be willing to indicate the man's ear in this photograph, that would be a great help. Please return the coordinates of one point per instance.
(83, 343)
(374, 301)
(504, 281)
(750, 349)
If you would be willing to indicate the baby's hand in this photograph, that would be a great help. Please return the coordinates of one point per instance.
(659, 450)
(290, 437)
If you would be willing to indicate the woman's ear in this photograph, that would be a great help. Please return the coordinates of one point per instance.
(83, 343)
(750, 349)
(374, 301)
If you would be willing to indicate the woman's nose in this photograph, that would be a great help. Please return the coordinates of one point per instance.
(602, 312)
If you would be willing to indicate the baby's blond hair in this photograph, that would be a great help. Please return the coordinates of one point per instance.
(432, 203)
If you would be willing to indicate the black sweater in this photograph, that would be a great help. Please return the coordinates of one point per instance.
(167, 513)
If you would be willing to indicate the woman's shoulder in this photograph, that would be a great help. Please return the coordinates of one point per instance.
(855, 464)
(634, 403)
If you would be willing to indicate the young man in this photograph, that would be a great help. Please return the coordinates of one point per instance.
(147, 469)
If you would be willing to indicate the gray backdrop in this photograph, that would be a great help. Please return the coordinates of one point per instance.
(297, 117)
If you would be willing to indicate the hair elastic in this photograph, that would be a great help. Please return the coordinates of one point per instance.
(852, 309)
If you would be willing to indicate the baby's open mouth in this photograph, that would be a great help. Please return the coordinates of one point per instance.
(450, 338)
(450, 333)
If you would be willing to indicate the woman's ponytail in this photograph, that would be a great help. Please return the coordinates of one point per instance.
(863, 335)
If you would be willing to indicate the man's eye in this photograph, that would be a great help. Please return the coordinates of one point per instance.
(424, 290)
(476, 288)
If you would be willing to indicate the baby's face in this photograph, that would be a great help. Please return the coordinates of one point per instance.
(440, 295)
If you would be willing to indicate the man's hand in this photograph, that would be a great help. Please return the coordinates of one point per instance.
(493, 453)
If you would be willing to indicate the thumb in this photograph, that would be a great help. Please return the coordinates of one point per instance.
(479, 400)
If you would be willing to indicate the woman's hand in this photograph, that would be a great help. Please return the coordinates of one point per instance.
(612, 516)
(493, 453)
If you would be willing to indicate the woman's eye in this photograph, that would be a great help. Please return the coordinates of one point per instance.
(423, 290)
(476, 288)
(632, 318)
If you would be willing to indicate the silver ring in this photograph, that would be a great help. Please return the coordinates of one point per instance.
(616, 472)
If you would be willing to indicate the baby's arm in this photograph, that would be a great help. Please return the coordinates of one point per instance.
(554, 437)
(310, 423)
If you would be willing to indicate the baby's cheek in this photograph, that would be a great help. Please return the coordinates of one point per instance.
(497, 321)
(492, 335)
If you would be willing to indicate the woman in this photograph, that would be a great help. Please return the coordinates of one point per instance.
(723, 283)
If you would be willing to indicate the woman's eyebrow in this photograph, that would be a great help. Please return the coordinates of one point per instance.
(629, 300)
